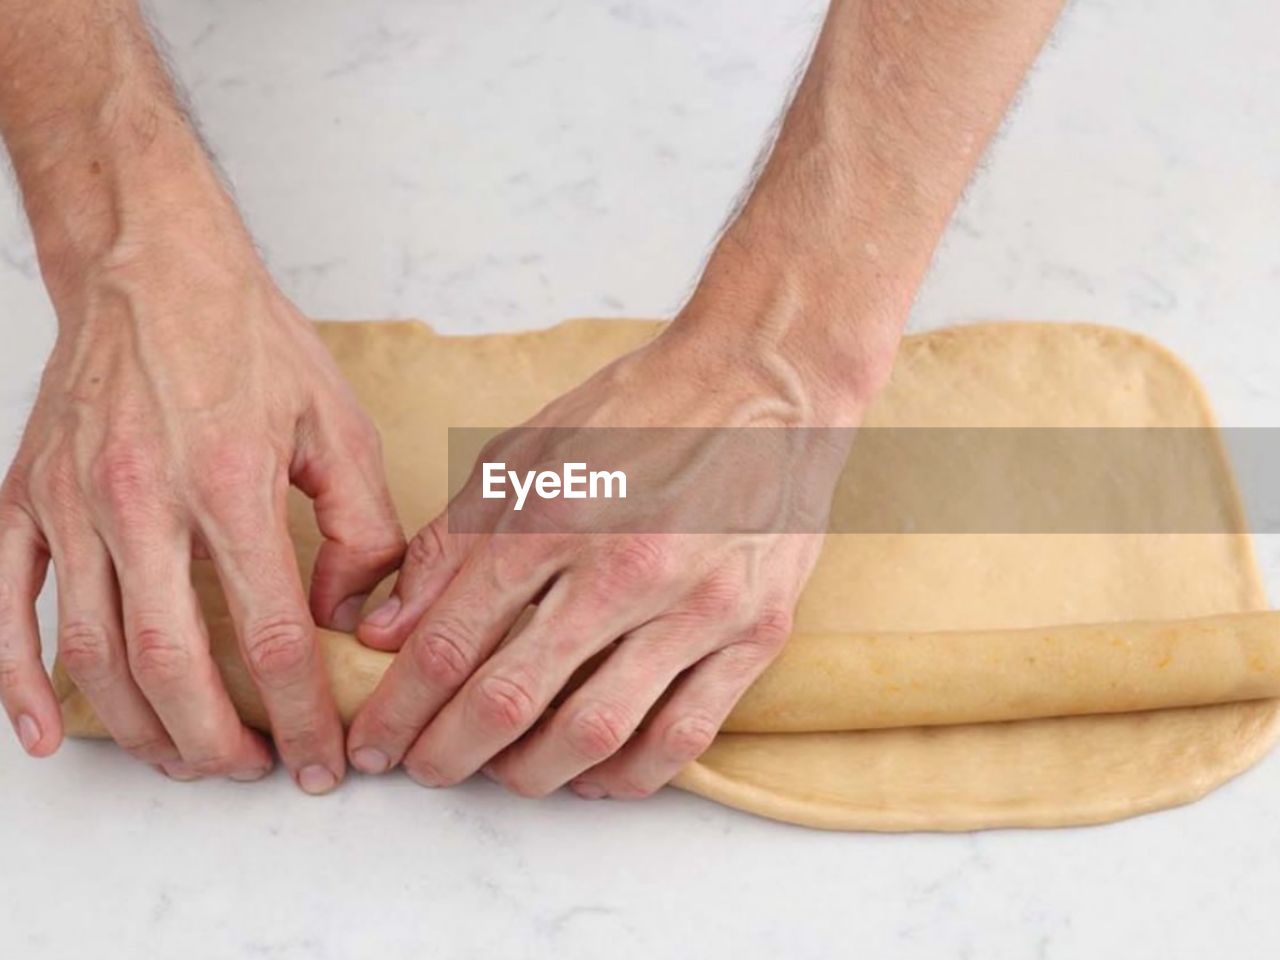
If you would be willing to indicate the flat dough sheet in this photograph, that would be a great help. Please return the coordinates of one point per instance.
(1047, 772)
(1033, 772)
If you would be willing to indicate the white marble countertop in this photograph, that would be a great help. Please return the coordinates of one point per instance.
(490, 165)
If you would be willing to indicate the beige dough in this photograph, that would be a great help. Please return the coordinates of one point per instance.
(854, 681)
(859, 681)
(927, 635)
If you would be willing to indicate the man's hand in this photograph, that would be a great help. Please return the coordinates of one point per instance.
(798, 314)
(171, 418)
(689, 619)
(183, 396)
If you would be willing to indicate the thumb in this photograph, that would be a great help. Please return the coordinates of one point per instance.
(363, 542)
(434, 556)
(430, 562)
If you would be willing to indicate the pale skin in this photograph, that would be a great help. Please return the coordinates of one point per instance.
(185, 394)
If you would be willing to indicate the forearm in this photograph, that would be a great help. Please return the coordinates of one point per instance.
(105, 156)
(886, 127)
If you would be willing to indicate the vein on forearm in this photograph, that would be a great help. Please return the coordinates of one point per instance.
(895, 108)
(96, 130)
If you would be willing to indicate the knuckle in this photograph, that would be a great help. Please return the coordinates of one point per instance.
(424, 771)
(637, 563)
(157, 659)
(688, 738)
(278, 650)
(124, 476)
(440, 654)
(11, 677)
(385, 553)
(426, 548)
(225, 470)
(596, 732)
(629, 788)
(516, 562)
(52, 482)
(147, 748)
(717, 600)
(211, 762)
(384, 726)
(553, 518)
(504, 703)
(498, 447)
(771, 631)
(301, 738)
(86, 651)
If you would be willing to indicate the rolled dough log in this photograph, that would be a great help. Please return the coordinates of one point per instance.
(839, 682)
(963, 627)
(844, 682)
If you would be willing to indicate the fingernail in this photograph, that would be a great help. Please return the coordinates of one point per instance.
(587, 791)
(316, 779)
(28, 732)
(424, 775)
(176, 770)
(370, 760)
(385, 613)
(346, 615)
(249, 776)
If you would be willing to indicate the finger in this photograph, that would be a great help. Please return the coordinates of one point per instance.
(168, 652)
(598, 719)
(363, 542)
(512, 690)
(259, 574)
(468, 621)
(92, 649)
(431, 560)
(684, 727)
(24, 686)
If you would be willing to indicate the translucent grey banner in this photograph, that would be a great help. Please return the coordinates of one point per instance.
(869, 480)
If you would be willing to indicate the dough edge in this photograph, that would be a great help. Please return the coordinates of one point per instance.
(703, 779)
(1231, 758)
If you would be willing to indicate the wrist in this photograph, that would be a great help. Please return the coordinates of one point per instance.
(113, 177)
(108, 210)
(834, 342)
(105, 156)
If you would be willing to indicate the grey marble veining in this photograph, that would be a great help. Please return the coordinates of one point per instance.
(489, 166)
